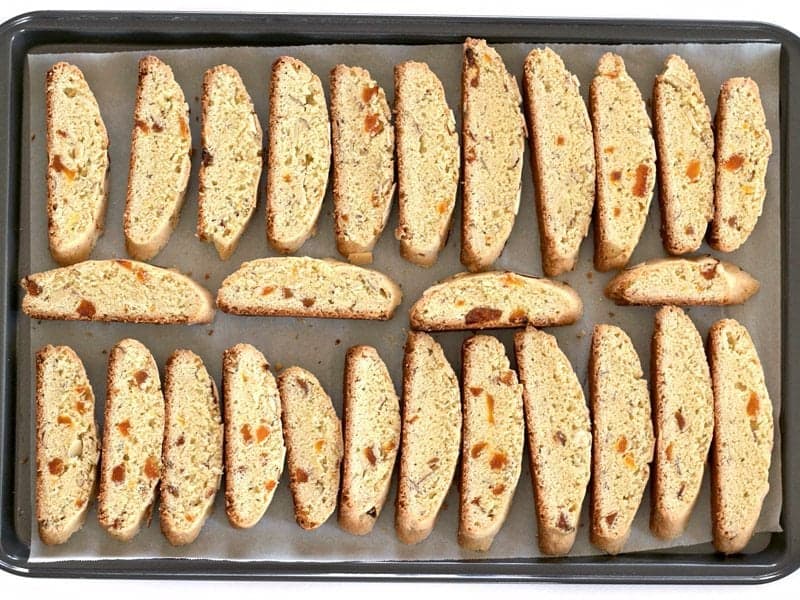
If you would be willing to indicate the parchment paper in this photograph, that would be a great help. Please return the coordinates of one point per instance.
(320, 345)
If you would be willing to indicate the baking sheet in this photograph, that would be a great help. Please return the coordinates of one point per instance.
(320, 345)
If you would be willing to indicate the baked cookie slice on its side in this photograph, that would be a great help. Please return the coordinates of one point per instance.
(493, 138)
(626, 163)
(133, 434)
(314, 447)
(77, 159)
(66, 443)
(254, 449)
(159, 165)
(299, 156)
(231, 167)
(743, 436)
(622, 436)
(192, 451)
(685, 145)
(562, 158)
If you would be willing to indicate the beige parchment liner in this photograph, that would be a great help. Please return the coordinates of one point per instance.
(320, 345)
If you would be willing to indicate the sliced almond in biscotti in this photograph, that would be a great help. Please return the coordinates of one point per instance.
(77, 159)
(308, 287)
(363, 159)
(495, 300)
(231, 165)
(427, 162)
(744, 146)
(562, 158)
(743, 436)
(559, 437)
(159, 165)
(313, 436)
(116, 290)
(254, 449)
(493, 134)
(494, 433)
(132, 437)
(626, 163)
(682, 281)
(683, 404)
(622, 436)
(431, 437)
(192, 451)
(371, 439)
(66, 443)
(299, 156)
(685, 144)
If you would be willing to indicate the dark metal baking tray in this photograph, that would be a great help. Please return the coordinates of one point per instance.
(113, 31)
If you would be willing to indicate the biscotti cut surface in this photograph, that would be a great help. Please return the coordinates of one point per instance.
(684, 420)
(308, 287)
(116, 290)
(559, 438)
(744, 146)
(66, 443)
(493, 134)
(133, 434)
(77, 159)
(363, 160)
(192, 448)
(685, 144)
(626, 169)
(427, 162)
(299, 154)
(431, 437)
(159, 164)
(562, 158)
(314, 447)
(622, 436)
(371, 439)
(495, 300)
(254, 449)
(684, 281)
(743, 436)
(494, 433)
(231, 164)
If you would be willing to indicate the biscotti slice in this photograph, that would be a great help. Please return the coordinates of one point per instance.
(684, 281)
(371, 439)
(562, 158)
(254, 449)
(66, 443)
(431, 437)
(743, 436)
(622, 436)
(494, 433)
(132, 437)
(313, 436)
(192, 448)
(363, 161)
(744, 146)
(495, 300)
(427, 162)
(626, 163)
(308, 287)
(299, 156)
(559, 438)
(232, 157)
(159, 165)
(116, 290)
(493, 135)
(685, 144)
(77, 159)
(684, 420)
